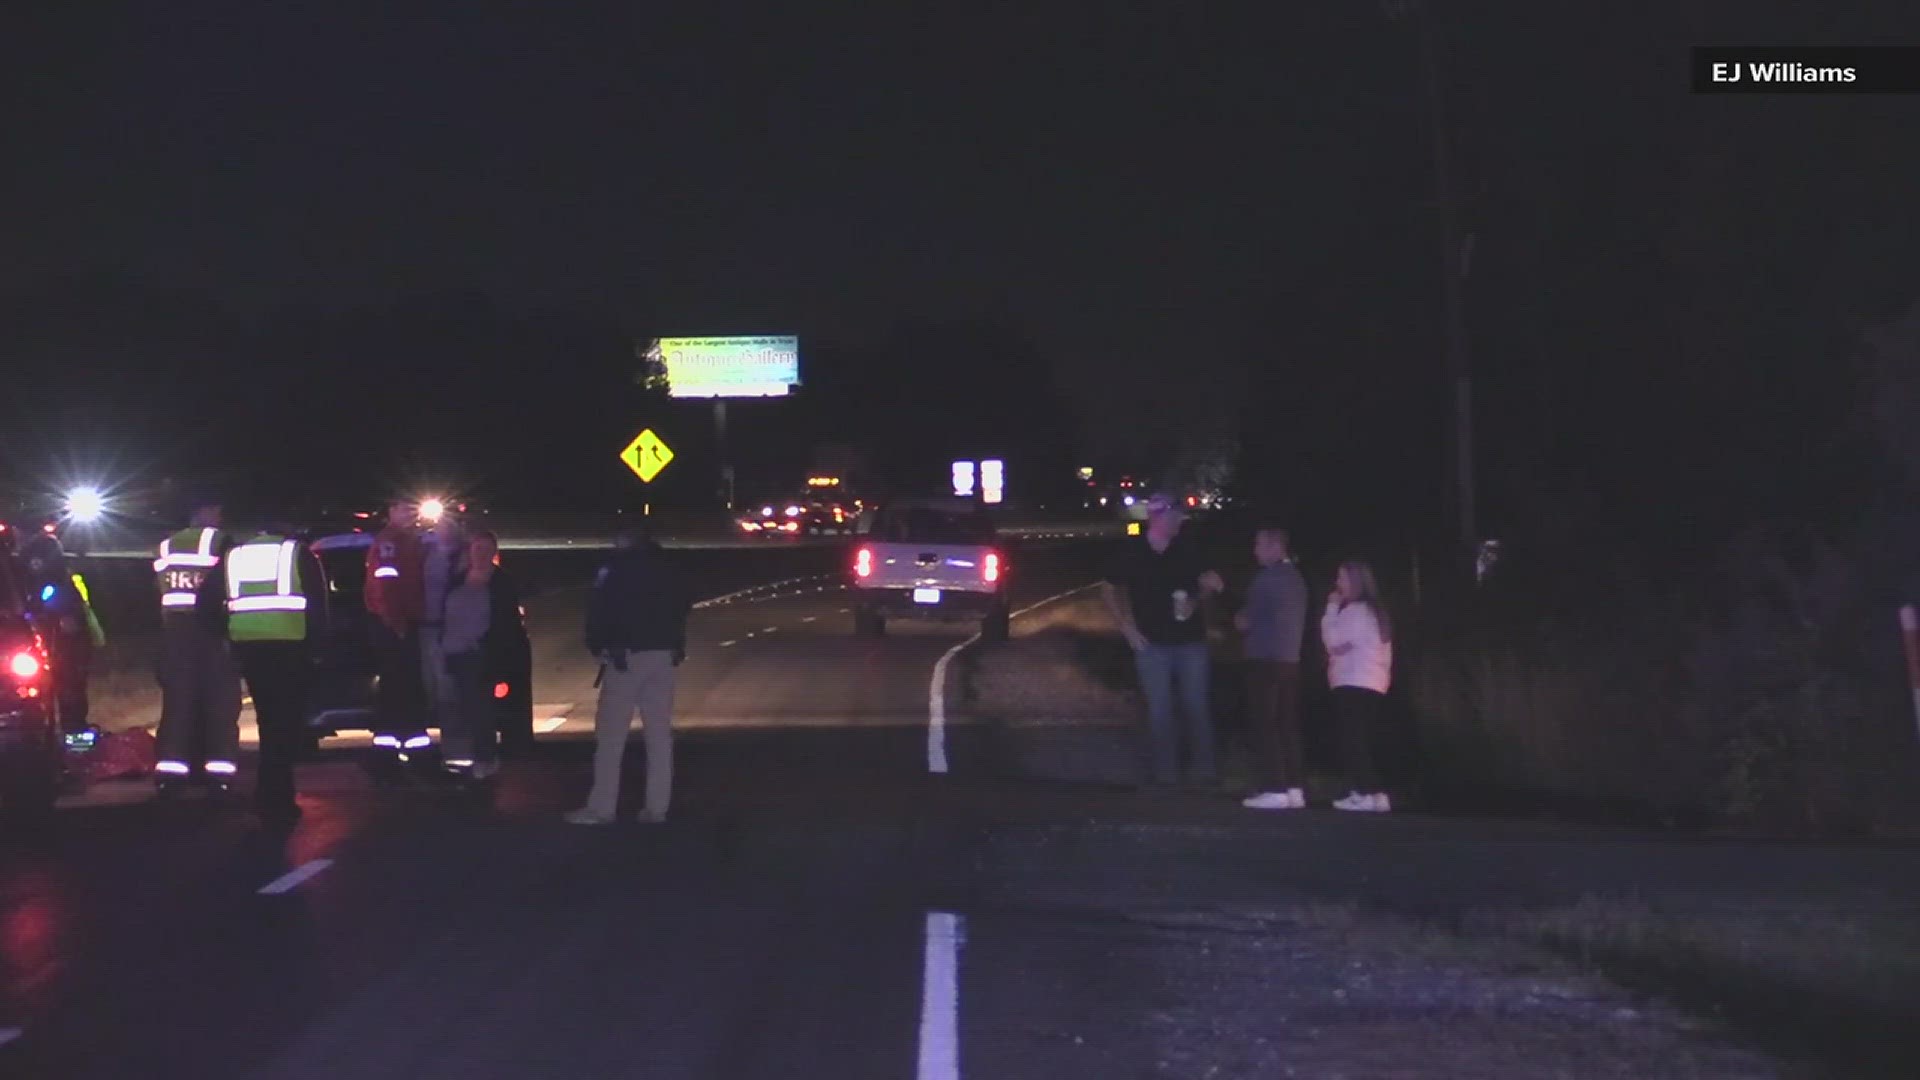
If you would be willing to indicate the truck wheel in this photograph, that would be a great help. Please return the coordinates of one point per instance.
(997, 627)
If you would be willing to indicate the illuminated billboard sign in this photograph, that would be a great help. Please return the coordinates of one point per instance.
(730, 367)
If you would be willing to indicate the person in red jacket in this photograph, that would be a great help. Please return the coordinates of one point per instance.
(396, 601)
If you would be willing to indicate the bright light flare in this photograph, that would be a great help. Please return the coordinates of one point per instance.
(24, 665)
(432, 510)
(86, 504)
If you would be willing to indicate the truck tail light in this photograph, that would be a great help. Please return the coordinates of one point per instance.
(990, 567)
(863, 563)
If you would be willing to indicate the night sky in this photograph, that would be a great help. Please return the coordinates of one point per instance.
(1139, 226)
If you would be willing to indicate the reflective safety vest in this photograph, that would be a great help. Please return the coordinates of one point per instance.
(185, 559)
(265, 601)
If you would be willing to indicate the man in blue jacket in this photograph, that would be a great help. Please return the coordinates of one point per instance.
(637, 626)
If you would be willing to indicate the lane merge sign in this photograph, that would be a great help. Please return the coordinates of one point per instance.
(647, 455)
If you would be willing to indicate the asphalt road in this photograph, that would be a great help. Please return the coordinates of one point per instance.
(822, 902)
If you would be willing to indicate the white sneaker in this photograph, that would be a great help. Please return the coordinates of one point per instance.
(1355, 802)
(1268, 800)
(1296, 799)
(651, 817)
(1382, 804)
(585, 816)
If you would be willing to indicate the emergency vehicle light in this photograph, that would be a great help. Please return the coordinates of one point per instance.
(24, 665)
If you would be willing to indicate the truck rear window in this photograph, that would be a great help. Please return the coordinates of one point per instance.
(926, 525)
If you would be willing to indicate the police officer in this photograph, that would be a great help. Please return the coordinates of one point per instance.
(637, 627)
(63, 613)
(276, 610)
(396, 600)
(199, 683)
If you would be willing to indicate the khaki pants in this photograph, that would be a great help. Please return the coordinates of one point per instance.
(646, 687)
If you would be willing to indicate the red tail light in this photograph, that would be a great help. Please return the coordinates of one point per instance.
(863, 563)
(990, 569)
(24, 665)
(500, 690)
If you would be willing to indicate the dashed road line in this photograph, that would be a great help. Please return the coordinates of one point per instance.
(940, 998)
(8, 1034)
(728, 644)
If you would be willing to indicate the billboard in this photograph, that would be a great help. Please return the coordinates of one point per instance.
(730, 367)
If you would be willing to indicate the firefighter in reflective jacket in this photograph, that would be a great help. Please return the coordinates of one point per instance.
(199, 683)
(396, 600)
(276, 612)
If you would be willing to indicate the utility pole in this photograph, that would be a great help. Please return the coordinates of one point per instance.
(1456, 249)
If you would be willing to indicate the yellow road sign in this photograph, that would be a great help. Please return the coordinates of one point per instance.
(646, 455)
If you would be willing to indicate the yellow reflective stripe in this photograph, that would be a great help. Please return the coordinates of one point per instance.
(80, 583)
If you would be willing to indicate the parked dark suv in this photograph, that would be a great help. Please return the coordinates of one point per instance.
(31, 763)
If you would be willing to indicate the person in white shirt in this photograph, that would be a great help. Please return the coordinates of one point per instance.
(1358, 636)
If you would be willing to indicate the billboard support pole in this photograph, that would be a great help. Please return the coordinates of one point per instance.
(720, 435)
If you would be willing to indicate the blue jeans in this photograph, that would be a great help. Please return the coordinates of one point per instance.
(1161, 666)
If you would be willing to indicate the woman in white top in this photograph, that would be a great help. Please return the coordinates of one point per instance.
(1359, 640)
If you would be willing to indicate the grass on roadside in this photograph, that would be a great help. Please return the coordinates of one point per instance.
(1068, 665)
(1836, 987)
(122, 691)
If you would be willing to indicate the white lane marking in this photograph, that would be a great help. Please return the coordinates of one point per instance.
(728, 598)
(728, 644)
(810, 618)
(8, 1034)
(770, 630)
(937, 694)
(940, 998)
(295, 878)
(552, 724)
